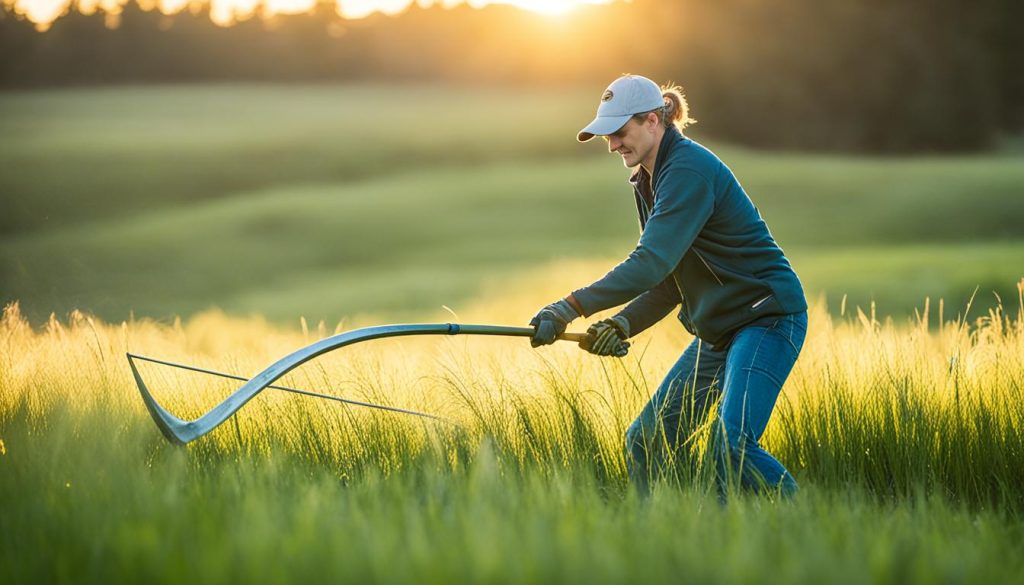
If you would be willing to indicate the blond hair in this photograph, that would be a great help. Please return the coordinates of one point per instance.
(675, 111)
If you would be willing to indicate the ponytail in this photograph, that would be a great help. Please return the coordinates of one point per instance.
(676, 110)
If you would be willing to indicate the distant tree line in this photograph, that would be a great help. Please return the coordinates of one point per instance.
(837, 75)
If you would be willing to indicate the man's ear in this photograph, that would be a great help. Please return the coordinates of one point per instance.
(652, 121)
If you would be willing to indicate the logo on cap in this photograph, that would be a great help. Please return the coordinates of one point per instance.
(608, 95)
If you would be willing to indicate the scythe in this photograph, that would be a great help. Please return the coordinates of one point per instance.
(181, 432)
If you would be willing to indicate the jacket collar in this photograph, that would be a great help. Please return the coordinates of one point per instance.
(670, 138)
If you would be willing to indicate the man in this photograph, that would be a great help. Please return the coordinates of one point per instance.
(705, 248)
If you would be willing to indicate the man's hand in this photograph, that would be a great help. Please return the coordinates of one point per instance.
(551, 321)
(608, 337)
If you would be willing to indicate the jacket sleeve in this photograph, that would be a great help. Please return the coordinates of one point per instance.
(651, 307)
(684, 204)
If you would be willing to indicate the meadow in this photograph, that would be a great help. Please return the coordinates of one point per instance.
(226, 226)
(906, 441)
(333, 201)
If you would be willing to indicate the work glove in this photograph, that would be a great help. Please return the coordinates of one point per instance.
(608, 337)
(551, 321)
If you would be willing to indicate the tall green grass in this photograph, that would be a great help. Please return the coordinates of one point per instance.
(906, 439)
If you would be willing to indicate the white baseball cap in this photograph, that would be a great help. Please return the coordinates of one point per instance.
(626, 96)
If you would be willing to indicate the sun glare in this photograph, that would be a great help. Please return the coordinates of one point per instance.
(225, 12)
(552, 7)
(364, 8)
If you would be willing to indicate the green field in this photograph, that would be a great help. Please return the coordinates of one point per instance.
(906, 442)
(333, 201)
(356, 205)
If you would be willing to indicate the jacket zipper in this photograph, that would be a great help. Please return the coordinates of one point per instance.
(760, 302)
(708, 266)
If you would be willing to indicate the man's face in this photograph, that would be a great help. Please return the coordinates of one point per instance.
(634, 141)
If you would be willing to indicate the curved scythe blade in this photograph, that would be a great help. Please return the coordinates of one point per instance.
(180, 432)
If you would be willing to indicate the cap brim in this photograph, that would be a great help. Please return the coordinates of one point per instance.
(603, 126)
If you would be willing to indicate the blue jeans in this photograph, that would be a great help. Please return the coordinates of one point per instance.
(747, 377)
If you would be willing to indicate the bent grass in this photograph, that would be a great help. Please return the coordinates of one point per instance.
(882, 423)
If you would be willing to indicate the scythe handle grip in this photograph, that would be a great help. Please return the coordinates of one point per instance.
(577, 337)
(456, 329)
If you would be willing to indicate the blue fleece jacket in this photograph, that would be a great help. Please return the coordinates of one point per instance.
(703, 246)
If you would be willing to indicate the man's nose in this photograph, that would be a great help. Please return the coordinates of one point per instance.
(613, 144)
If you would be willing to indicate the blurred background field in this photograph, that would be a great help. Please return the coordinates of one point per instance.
(327, 159)
(329, 201)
